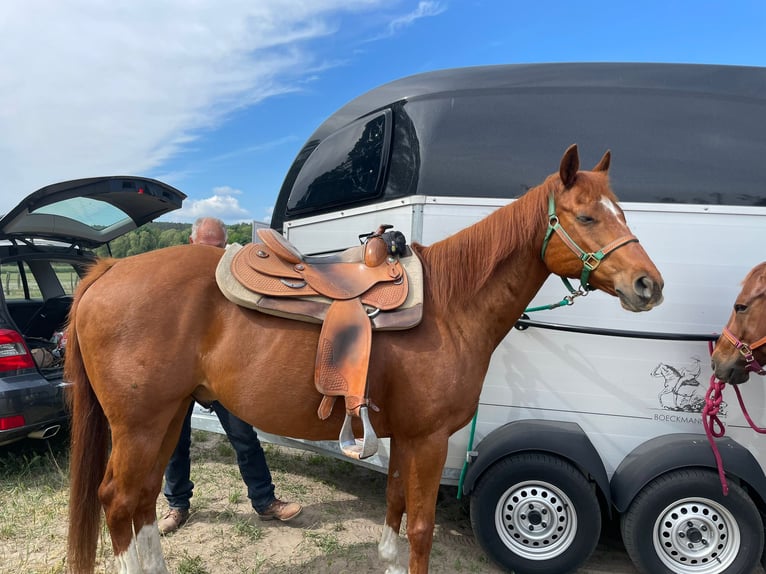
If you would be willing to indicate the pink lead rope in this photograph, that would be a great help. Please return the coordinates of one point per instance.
(714, 428)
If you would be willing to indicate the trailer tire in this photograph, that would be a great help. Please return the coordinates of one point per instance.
(534, 513)
(666, 528)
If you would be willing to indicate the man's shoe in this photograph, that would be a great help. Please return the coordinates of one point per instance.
(173, 520)
(279, 510)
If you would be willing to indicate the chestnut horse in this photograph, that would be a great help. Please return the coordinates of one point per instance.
(150, 333)
(741, 349)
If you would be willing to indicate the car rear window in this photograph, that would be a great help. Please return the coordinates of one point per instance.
(90, 212)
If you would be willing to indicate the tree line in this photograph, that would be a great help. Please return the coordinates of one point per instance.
(156, 235)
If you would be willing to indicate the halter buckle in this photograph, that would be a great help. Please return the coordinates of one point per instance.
(745, 350)
(590, 261)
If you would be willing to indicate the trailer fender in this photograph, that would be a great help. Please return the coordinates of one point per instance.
(565, 439)
(674, 451)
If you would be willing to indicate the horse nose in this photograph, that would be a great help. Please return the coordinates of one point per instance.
(647, 289)
(721, 371)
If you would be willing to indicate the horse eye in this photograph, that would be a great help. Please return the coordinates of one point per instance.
(584, 219)
(740, 308)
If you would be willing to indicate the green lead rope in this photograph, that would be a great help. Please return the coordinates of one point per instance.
(467, 455)
(568, 300)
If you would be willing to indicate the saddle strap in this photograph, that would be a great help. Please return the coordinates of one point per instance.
(343, 354)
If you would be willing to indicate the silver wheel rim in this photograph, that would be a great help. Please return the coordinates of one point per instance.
(696, 536)
(536, 520)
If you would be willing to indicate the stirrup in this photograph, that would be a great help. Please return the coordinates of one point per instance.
(358, 448)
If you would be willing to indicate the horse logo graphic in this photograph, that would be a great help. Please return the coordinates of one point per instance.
(682, 390)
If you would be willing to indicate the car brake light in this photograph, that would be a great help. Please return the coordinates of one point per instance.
(8, 423)
(14, 354)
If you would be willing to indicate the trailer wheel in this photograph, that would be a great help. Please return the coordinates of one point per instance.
(536, 513)
(682, 523)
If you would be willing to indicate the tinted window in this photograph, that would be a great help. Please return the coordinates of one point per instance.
(347, 167)
(19, 280)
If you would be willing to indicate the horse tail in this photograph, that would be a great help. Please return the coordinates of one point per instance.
(89, 442)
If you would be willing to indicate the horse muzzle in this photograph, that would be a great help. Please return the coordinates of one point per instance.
(642, 294)
(728, 369)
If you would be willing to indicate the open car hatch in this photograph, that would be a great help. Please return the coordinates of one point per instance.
(89, 212)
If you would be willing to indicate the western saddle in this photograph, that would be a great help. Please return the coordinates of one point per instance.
(351, 293)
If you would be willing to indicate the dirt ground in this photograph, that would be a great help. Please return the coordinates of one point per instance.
(338, 530)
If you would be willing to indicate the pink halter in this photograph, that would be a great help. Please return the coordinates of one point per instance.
(747, 351)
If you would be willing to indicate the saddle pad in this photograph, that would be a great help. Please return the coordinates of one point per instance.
(312, 308)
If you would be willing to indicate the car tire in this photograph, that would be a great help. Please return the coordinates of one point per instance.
(512, 507)
(666, 528)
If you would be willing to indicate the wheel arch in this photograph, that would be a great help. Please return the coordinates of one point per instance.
(666, 453)
(564, 439)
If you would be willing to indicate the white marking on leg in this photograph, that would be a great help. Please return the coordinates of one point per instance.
(128, 562)
(144, 555)
(150, 550)
(388, 550)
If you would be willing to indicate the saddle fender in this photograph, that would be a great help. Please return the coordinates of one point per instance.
(670, 452)
(564, 439)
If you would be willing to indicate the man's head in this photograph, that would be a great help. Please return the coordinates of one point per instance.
(208, 231)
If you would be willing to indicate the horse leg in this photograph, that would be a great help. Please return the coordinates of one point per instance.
(414, 474)
(129, 498)
(147, 535)
(388, 549)
(421, 463)
(129, 493)
(145, 517)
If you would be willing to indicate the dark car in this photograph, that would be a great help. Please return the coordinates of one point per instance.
(46, 245)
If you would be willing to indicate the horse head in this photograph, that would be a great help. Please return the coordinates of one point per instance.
(742, 347)
(588, 237)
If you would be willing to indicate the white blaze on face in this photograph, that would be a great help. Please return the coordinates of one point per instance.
(610, 206)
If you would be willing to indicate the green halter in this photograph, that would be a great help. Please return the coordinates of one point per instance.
(590, 261)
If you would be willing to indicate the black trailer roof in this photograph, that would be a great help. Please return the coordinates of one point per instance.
(679, 133)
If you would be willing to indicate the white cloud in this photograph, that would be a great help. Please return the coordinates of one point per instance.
(91, 88)
(223, 204)
(424, 9)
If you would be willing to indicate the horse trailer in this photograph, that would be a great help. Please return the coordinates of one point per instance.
(586, 410)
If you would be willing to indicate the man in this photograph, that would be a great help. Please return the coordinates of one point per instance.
(250, 457)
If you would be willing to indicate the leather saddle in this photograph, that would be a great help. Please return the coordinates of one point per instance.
(351, 293)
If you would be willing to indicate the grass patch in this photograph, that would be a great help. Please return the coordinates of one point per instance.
(248, 530)
(191, 565)
(337, 532)
(326, 542)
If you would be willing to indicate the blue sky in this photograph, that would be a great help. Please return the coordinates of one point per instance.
(216, 97)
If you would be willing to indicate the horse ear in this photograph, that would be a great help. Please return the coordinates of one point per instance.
(570, 163)
(603, 165)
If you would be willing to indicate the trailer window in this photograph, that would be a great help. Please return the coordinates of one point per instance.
(347, 167)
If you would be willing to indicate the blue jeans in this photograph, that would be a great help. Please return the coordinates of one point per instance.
(250, 458)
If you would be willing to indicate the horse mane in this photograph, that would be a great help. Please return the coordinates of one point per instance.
(457, 267)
